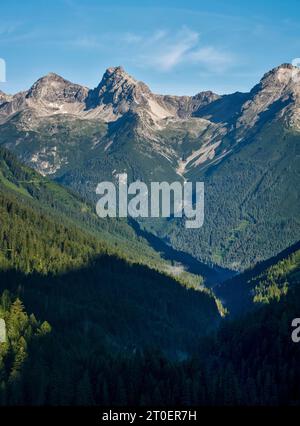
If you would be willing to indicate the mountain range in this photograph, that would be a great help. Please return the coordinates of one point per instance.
(116, 312)
(244, 146)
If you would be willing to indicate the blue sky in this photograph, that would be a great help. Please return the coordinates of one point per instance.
(176, 47)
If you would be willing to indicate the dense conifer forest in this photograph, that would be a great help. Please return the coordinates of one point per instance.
(87, 325)
(250, 361)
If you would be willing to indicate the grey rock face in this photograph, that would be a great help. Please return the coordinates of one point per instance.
(119, 90)
(277, 92)
(165, 122)
(54, 89)
(4, 97)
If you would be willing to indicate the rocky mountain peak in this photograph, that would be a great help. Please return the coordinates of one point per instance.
(282, 79)
(206, 97)
(116, 71)
(53, 88)
(52, 76)
(283, 69)
(118, 93)
(116, 75)
(277, 92)
(119, 90)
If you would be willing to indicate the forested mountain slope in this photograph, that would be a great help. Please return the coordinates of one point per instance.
(251, 201)
(244, 146)
(95, 298)
(267, 281)
(119, 236)
(249, 361)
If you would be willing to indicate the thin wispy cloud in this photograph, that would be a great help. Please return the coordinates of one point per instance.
(9, 28)
(211, 57)
(161, 49)
(173, 49)
(16, 33)
(157, 36)
(166, 50)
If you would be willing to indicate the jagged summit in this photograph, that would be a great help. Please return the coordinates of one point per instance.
(54, 88)
(48, 80)
(279, 92)
(114, 77)
(116, 70)
(279, 77)
(204, 98)
(118, 73)
(118, 89)
(119, 93)
(53, 76)
(285, 67)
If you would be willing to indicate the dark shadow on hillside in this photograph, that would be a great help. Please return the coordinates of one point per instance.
(225, 109)
(124, 306)
(236, 293)
(212, 275)
(81, 363)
